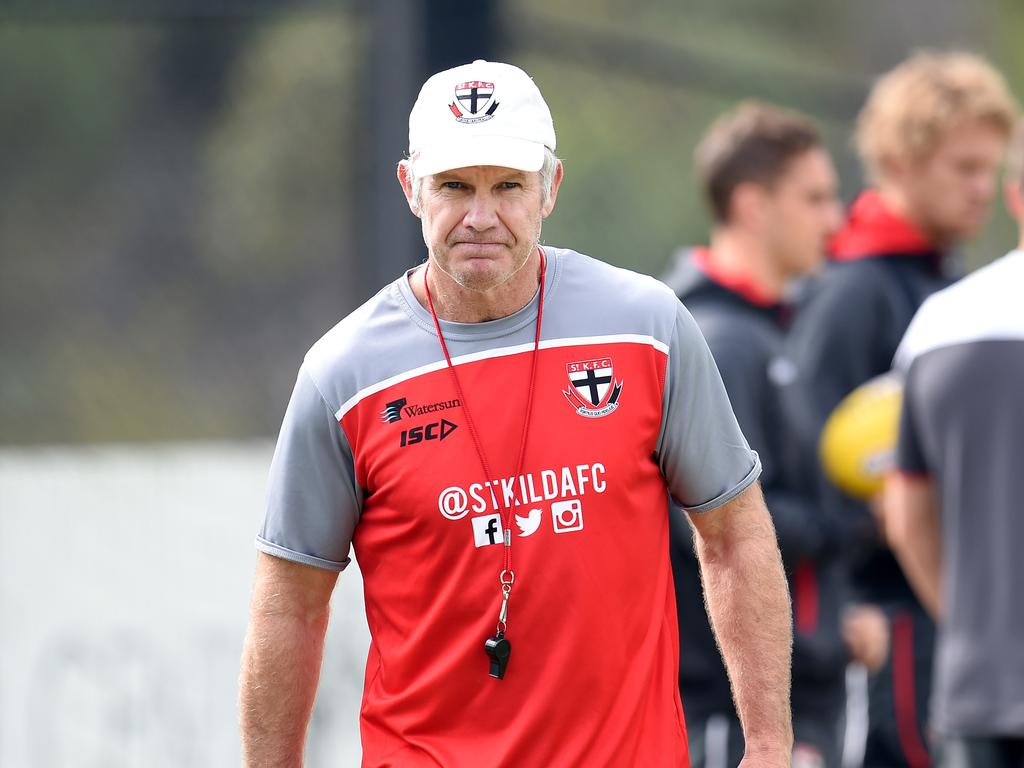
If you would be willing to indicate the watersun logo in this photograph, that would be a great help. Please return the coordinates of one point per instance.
(396, 409)
(392, 411)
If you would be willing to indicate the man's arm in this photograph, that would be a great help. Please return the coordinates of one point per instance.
(281, 660)
(748, 603)
(914, 531)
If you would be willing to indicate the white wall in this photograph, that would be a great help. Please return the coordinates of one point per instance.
(125, 575)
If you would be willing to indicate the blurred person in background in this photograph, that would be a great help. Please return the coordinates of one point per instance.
(508, 384)
(953, 507)
(931, 135)
(771, 188)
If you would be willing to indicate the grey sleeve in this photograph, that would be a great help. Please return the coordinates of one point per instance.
(701, 451)
(313, 501)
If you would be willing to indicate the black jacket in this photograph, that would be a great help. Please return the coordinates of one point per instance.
(746, 338)
(845, 333)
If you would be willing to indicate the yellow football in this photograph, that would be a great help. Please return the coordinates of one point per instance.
(858, 443)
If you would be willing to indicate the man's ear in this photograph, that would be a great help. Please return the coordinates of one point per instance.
(556, 182)
(896, 170)
(747, 204)
(404, 178)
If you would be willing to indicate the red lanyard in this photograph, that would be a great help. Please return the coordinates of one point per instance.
(507, 576)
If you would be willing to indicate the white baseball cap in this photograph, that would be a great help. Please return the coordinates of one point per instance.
(484, 113)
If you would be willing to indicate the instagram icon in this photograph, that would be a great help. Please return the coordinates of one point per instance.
(567, 516)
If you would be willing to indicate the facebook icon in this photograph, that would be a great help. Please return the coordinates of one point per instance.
(487, 530)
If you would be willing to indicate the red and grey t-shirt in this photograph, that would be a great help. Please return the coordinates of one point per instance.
(375, 453)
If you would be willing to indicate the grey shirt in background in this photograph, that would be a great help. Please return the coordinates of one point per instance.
(963, 425)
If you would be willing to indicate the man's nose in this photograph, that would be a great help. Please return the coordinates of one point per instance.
(985, 185)
(482, 213)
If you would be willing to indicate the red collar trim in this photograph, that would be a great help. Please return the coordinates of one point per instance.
(873, 228)
(737, 282)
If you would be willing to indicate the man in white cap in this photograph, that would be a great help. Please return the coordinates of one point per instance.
(496, 435)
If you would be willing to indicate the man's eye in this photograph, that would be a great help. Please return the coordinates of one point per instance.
(510, 185)
(452, 185)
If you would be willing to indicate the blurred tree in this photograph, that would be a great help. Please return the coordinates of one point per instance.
(192, 63)
(278, 234)
(65, 93)
(279, 185)
(187, 198)
(124, 314)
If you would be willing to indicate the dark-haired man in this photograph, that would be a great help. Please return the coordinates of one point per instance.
(771, 189)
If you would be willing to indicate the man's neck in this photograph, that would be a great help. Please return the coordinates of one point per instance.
(736, 252)
(898, 202)
(458, 304)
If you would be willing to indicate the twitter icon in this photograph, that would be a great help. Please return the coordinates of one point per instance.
(528, 525)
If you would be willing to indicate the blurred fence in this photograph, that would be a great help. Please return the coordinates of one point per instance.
(125, 575)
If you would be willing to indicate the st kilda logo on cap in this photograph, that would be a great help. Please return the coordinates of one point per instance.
(474, 102)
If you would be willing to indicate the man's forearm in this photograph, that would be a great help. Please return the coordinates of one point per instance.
(914, 531)
(281, 661)
(280, 671)
(748, 603)
(922, 563)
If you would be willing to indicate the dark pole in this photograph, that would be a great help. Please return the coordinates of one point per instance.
(409, 41)
(458, 32)
(390, 236)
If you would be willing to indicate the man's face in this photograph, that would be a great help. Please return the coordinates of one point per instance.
(482, 223)
(949, 192)
(800, 212)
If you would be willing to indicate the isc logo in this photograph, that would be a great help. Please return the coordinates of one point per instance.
(439, 430)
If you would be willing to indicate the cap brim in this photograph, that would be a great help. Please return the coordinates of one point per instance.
(501, 151)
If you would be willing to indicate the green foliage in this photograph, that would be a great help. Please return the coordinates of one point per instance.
(180, 199)
(160, 253)
(628, 196)
(279, 162)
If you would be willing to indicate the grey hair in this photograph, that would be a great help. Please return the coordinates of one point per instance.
(547, 178)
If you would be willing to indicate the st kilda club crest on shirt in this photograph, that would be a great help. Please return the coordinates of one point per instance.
(593, 390)
(474, 102)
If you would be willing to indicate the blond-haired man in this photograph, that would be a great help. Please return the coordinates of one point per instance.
(931, 136)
